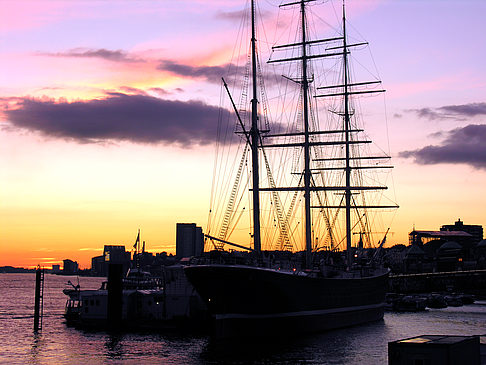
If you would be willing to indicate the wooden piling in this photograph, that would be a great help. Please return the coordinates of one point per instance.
(115, 288)
(39, 299)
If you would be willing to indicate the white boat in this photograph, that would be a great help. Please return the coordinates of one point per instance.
(147, 302)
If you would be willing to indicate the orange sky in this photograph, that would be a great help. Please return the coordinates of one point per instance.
(63, 196)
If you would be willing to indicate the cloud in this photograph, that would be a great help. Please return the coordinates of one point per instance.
(136, 118)
(238, 15)
(461, 145)
(213, 73)
(154, 90)
(132, 90)
(210, 73)
(231, 15)
(162, 247)
(109, 55)
(456, 112)
(467, 110)
(161, 92)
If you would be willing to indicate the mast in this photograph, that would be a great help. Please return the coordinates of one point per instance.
(307, 144)
(307, 172)
(344, 89)
(138, 249)
(255, 136)
(347, 192)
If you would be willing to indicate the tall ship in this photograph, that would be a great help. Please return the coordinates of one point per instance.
(300, 201)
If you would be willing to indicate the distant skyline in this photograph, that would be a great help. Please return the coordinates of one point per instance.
(108, 111)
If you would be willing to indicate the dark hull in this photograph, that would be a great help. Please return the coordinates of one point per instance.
(249, 301)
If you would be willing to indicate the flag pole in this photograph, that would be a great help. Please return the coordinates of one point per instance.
(138, 249)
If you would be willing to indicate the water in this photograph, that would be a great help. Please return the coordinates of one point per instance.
(59, 344)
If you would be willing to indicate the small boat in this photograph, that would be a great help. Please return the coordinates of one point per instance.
(410, 303)
(436, 301)
(453, 300)
(147, 302)
(467, 298)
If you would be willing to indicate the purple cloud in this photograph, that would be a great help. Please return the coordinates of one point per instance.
(114, 56)
(239, 15)
(467, 110)
(462, 145)
(119, 117)
(213, 73)
(210, 73)
(457, 112)
(231, 15)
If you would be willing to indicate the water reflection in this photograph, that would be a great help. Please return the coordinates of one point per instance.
(58, 344)
(343, 346)
(37, 345)
(246, 351)
(114, 346)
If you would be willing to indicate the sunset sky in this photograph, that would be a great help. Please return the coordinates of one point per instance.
(108, 112)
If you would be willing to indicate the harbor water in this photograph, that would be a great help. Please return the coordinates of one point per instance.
(58, 344)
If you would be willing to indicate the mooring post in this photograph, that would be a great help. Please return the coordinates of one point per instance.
(39, 285)
(115, 287)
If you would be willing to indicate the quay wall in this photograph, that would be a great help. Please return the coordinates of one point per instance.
(471, 282)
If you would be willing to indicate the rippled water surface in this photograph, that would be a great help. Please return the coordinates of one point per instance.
(59, 344)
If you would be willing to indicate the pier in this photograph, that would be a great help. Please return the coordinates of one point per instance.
(471, 281)
(39, 299)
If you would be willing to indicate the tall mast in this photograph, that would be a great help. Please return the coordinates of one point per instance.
(255, 136)
(307, 172)
(303, 58)
(347, 128)
(345, 89)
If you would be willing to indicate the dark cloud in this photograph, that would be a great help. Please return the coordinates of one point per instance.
(438, 134)
(466, 110)
(160, 91)
(231, 15)
(132, 90)
(239, 15)
(431, 114)
(456, 112)
(151, 91)
(210, 73)
(462, 145)
(213, 73)
(115, 56)
(119, 117)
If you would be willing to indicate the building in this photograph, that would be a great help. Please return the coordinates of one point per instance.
(98, 266)
(420, 238)
(449, 256)
(474, 230)
(111, 253)
(452, 248)
(69, 267)
(143, 259)
(116, 254)
(189, 240)
(56, 269)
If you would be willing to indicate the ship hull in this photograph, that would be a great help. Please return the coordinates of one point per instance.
(252, 301)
